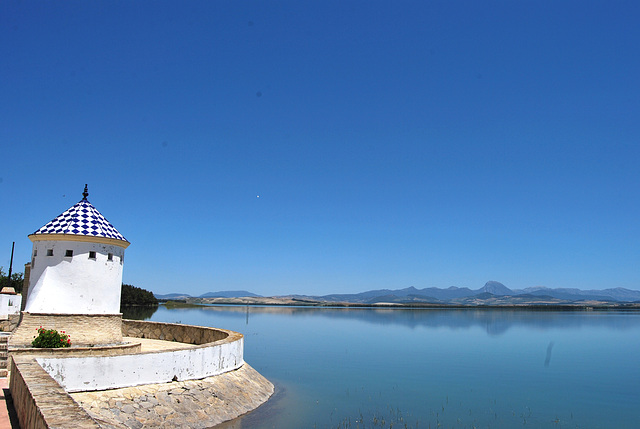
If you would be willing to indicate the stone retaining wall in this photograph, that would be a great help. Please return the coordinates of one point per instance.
(40, 402)
(193, 404)
(83, 329)
(189, 334)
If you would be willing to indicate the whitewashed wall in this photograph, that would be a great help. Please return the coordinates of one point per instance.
(111, 372)
(9, 304)
(77, 284)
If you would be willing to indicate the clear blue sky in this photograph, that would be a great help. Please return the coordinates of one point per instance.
(391, 143)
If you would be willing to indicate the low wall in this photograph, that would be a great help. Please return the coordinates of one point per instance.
(78, 374)
(42, 403)
(83, 329)
(119, 349)
(41, 397)
(189, 334)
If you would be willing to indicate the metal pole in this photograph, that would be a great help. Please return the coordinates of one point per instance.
(11, 263)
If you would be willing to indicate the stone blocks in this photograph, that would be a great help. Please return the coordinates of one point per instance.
(83, 329)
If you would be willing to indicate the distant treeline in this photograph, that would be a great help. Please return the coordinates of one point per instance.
(132, 295)
(15, 281)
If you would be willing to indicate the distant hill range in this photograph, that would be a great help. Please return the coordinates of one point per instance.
(492, 293)
(221, 294)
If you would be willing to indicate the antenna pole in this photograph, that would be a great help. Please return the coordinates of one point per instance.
(11, 263)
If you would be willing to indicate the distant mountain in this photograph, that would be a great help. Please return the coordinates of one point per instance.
(172, 295)
(572, 294)
(492, 293)
(496, 288)
(431, 294)
(404, 299)
(449, 293)
(228, 294)
(221, 294)
(622, 294)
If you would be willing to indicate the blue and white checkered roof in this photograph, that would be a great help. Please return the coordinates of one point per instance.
(82, 219)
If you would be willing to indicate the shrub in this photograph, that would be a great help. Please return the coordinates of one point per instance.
(50, 338)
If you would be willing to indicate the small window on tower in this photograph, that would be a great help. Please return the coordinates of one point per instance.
(122, 259)
(92, 255)
(68, 253)
(110, 257)
(49, 252)
(35, 253)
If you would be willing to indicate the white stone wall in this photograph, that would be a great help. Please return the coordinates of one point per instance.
(78, 284)
(9, 304)
(78, 374)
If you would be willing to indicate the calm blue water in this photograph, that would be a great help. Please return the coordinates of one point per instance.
(437, 368)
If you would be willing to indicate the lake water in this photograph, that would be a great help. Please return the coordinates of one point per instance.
(379, 368)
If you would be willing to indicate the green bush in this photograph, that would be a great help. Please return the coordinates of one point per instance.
(50, 338)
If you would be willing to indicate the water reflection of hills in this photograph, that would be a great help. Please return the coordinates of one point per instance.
(495, 322)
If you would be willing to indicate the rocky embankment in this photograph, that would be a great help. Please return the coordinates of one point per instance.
(181, 404)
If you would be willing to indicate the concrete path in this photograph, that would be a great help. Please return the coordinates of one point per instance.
(149, 345)
(5, 420)
(5, 423)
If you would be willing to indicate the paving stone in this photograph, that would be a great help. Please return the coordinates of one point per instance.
(193, 404)
(129, 409)
(163, 410)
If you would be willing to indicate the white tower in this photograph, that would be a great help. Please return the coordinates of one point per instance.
(76, 273)
(76, 264)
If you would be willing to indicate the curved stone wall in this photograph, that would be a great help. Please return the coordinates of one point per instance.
(189, 334)
(215, 351)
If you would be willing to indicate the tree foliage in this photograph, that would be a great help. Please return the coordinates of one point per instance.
(132, 295)
(15, 282)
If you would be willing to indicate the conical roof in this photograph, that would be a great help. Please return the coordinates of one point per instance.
(82, 219)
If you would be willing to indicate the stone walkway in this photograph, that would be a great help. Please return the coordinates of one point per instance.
(149, 345)
(181, 404)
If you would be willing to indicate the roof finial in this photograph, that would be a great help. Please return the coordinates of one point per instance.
(85, 194)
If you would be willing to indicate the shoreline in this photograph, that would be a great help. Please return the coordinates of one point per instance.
(292, 302)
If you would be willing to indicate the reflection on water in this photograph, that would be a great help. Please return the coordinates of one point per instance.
(138, 312)
(547, 360)
(493, 321)
(339, 367)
